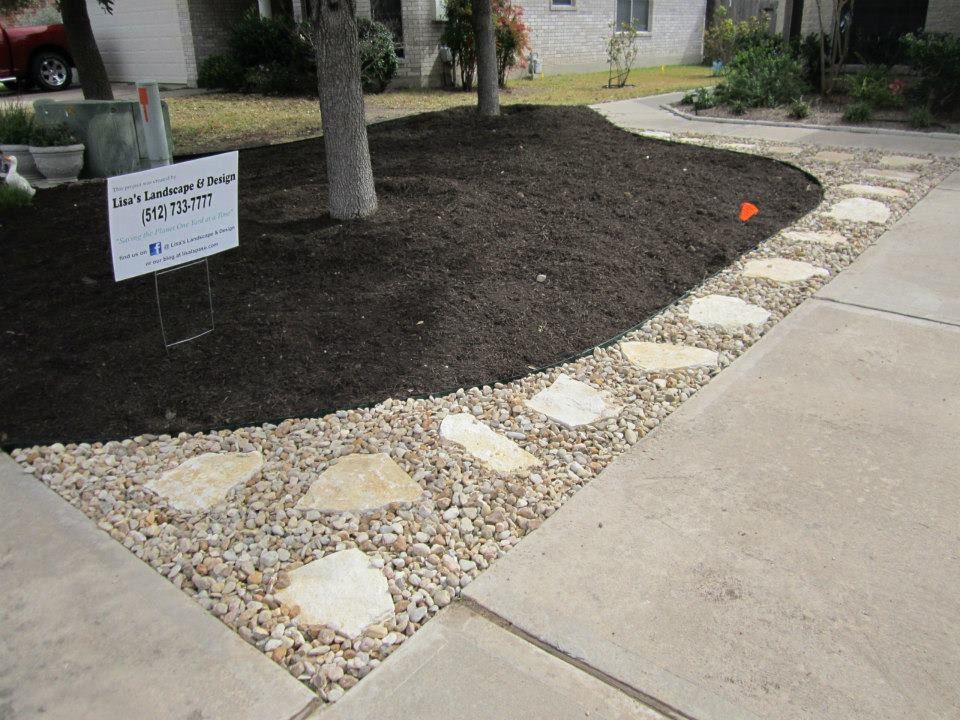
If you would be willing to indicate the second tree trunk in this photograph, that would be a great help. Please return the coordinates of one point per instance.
(488, 92)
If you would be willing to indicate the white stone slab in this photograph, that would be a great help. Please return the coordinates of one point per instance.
(659, 134)
(902, 161)
(665, 356)
(874, 190)
(898, 175)
(738, 146)
(811, 236)
(572, 403)
(496, 451)
(361, 482)
(204, 481)
(860, 209)
(832, 156)
(727, 312)
(785, 149)
(781, 270)
(342, 590)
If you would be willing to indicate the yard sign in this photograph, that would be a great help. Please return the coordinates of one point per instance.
(172, 215)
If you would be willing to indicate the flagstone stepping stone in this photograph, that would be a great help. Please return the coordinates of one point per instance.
(781, 270)
(875, 190)
(899, 175)
(902, 161)
(656, 134)
(360, 482)
(821, 238)
(738, 146)
(342, 590)
(860, 210)
(495, 451)
(204, 481)
(665, 356)
(728, 312)
(572, 403)
(786, 149)
(833, 156)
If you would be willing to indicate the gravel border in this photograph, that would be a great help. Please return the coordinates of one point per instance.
(469, 516)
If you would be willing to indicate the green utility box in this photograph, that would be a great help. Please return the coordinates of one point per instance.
(111, 130)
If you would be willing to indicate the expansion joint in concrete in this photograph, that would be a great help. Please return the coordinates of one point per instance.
(883, 311)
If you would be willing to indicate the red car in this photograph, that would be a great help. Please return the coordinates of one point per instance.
(37, 55)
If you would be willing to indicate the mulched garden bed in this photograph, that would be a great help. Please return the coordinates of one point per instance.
(437, 291)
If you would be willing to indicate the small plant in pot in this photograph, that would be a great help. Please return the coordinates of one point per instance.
(57, 152)
(16, 125)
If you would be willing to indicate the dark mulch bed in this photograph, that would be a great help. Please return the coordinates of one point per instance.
(437, 291)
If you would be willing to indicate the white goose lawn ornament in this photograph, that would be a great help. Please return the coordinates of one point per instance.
(15, 179)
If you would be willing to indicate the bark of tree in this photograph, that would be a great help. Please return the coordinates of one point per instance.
(86, 54)
(488, 90)
(349, 174)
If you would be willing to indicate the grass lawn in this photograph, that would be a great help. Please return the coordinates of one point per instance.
(204, 123)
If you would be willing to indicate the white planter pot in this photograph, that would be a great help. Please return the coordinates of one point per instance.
(25, 164)
(59, 164)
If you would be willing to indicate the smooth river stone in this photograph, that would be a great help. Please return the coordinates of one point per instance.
(781, 270)
(204, 481)
(360, 482)
(821, 238)
(665, 356)
(832, 156)
(728, 312)
(875, 190)
(572, 403)
(902, 161)
(860, 210)
(898, 175)
(495, 451)
(342, 590)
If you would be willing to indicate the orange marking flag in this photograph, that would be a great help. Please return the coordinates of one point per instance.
(747, 211)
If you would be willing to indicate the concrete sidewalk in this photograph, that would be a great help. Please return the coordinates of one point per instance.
(87, 630)
(784, 546)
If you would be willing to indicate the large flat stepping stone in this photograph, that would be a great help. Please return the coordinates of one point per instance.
(860, 209)
(902, 161)
(572, 403)
(665, 356)
(833, 156)
(495, 451)
(202, 482)
(781, 270)
(898, 175)
(342, 590)
(658, 134)
(360, 482)
(829, 237)
(727, 312)
(875, 190)
(785, 149)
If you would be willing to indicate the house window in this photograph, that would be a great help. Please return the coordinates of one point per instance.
(389, 13)
(637, 11)
(563, 4)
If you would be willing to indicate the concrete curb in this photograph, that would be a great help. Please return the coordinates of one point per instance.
(812, 126)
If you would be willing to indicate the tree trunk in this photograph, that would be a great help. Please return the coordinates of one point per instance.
(349, 174)
(86, 54)
(488, 92)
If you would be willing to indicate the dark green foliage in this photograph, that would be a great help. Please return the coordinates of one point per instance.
(16, 124)
(762, 77)
(12, 198)
(378, 57)
(52, 136)
(458, 36)
(936, 58)
(799, 109)
(704, 99)
(875, 87)
(263, 41)
(737, 107)
(221, 71)
(858, 112)
(920, 117)
(280, 79)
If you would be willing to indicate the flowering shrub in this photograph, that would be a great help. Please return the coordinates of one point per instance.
(512, 37)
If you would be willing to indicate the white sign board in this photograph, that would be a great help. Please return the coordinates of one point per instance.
(172, 215)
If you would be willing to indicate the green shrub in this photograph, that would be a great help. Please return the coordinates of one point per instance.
(16, 124)
(936, 58)
(762, 77)
(724, 38)
(458, 36)
(52, 136)
(512, 38)
(222, 72)
(689, 97)
(858, 112)
(704, 99)
(280, 79)
(256, 41)
(378, 58)
(799, 109)
(737, 107)
(875, 87)
(12, 198)
(920, 117)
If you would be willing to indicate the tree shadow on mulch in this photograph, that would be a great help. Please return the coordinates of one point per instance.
(437, 291)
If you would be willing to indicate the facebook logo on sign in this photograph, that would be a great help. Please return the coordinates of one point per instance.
(156, 248)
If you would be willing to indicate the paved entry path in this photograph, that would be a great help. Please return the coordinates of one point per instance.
(786, 545)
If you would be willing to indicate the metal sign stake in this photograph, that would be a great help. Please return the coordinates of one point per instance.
(156, 286)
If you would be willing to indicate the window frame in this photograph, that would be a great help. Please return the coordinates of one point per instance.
(570, 6)
(650, 6)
